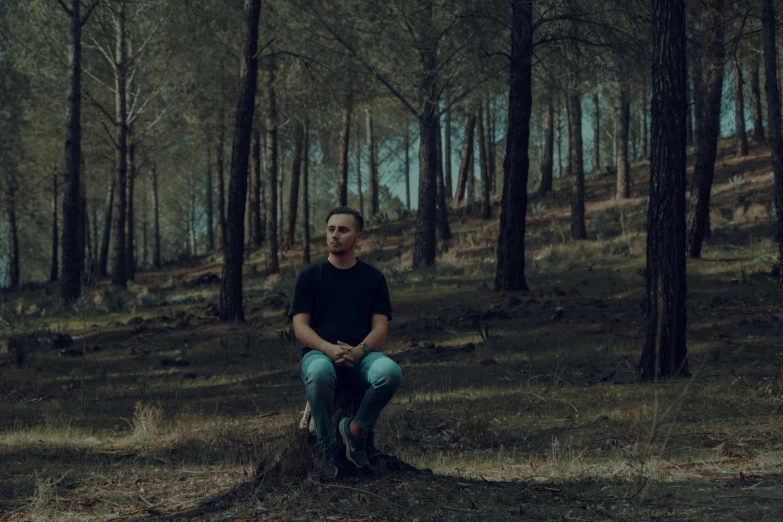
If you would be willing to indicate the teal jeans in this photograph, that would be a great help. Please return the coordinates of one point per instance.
(375, 373)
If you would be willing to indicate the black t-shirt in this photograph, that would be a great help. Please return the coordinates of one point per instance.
(341, 302)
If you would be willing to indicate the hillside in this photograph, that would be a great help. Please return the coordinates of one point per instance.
(515, 406)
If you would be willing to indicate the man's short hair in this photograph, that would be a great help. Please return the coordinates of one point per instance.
(357, 218)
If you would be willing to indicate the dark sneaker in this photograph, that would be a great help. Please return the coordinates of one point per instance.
(324, 463)
(354, 448)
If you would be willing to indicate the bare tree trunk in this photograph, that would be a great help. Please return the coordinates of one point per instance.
(145, 221)
(270, 158)
(755, 96)
(578, 229)
(55, 271)
(446, 157)
(373, 164)
(772, 89)
(407, 146)
(632, 135)
(156, 258)
(707, 137)
(221, 197)
(13, 232)
(209, 189)
(559, 143)
(280, 198)
(665, 353)
(623, 163)
(192, 218)
(510, 272)
(466, 159)
(739, 111)
(491, 147)
(486, 209)
(688, 115)
(255, 189)
(119, 269)
(306, 193)
(130, 263)
(596, 132)
(249, 209)
(442, 217)
(103, 259)
(643, 108)
(293, 196)
(231, 283)
(471, 196)
(549, 135)
(359, 169)
(345, 138)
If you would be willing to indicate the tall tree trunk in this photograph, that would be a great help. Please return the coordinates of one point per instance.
(486, 209)
(578, 229)
(249, 208)
(491, 147)
(623, 163)
(596, 132)
(103, 259)
(55, 271)
(293, 196)
(221, 197)
(466, 159)
(755, 96)
(510, 272)
(707, 136)
(88, 259)
(446, 156)
(699, 97)
(306, 193)
(772, 89)
(471, 192)
(270, 158)
(345, 138)
(442, 210)
(359, 169)
(145, 221)
(209, 189)
(664, 353)
(119, 269)
(156, 257)
(373, 164)
(643, 108)
(688, 115)
(280, 198)
(13, 232)
(407, 169)
(130, 263)
(739, 111)
(424, 240)
(559, 142)
(632, 136)
(231, 283)
(192, 218)
(549, 135)
(257, 233)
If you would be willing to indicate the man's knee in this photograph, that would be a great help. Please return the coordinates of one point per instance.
(387, 375)
(321, 374)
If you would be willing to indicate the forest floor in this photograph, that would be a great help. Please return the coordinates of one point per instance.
(514, 406)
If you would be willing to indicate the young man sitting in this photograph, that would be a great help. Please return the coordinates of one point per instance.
(341, 311)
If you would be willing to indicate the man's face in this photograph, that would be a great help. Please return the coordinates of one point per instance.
(341, 234)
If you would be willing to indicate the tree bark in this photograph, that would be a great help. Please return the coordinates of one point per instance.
(688, 115)
(270, 157)
(119, 269)
(70, 284)
(130, 263)
(209, 189)
(407, 146)
(471, 189)
(491, 147)
(373, 164)
(510, 272)
(145, 222)
(55, 271)
(643, 108)
(559, 143)
(549, 145)
(772, 89)
(446, 156)
(156, 257)
(306, 193)
(707, 135)
(486, 209)
(596, 132)
(466, 158)
(13, 232)
(739, 111)
(192, 218)
(280, 198)
(665, 353)
(231, 283)
(345, 138)
(257, 234)
(221, 197)
(442, 210)
(755, 96)
(359, 169)
(106, 235)
(293, 196)
(576, 162)
(623, 163)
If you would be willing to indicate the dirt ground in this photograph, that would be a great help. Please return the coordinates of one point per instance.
(523, 406)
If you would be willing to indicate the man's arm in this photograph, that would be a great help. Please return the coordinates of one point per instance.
(311, 339)
(374, 339)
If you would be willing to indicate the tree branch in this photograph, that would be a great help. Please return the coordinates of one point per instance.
(108, 134)
(100, 107)
(105, 53)
(89, 12)
(67, 9)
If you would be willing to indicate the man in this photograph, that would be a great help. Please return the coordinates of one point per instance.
(341, 312)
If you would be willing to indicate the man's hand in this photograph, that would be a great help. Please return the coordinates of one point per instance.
(340, 354)
(355, 352)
